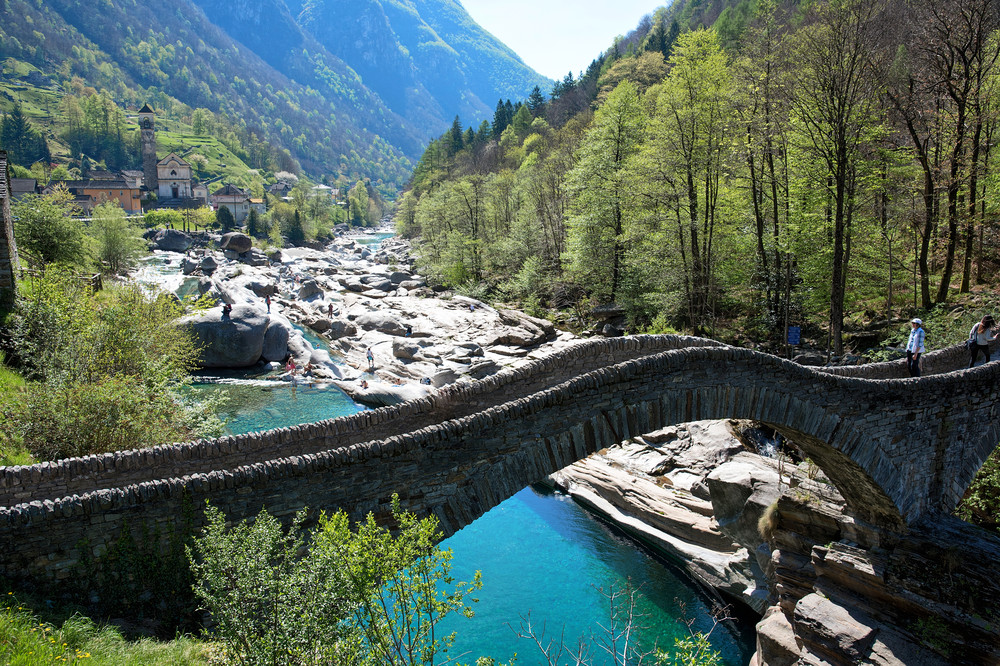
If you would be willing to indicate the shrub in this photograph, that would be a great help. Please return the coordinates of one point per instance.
(339, 596)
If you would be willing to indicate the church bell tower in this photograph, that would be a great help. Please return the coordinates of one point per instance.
(147, 136)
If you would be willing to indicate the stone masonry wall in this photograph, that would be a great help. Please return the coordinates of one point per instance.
(877, 440)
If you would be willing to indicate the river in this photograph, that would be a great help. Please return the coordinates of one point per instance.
(539, 552)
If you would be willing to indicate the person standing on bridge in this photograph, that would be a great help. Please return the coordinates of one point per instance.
(980, 337)
(915, 347)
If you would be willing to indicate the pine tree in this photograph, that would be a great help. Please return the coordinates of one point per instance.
(455, 136)
(536, 102)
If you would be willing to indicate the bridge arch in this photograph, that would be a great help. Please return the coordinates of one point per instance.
(898, 449)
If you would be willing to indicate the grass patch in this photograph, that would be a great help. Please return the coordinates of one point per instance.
(25, 640)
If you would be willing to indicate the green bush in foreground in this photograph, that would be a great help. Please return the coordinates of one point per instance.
(105, 370)
(334, 597)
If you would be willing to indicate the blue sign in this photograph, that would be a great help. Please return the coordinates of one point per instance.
(794, 335)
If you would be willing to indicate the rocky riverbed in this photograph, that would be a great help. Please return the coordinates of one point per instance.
(360, 300)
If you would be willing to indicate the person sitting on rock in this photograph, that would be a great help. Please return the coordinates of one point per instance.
(226, 310)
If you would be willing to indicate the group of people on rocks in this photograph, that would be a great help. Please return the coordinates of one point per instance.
(982, 334)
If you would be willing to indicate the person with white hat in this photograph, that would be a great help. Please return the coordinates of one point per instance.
(915, 347)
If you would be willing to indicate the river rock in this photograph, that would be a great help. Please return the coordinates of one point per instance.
(275, 346)
(310, 289)
(254, 258)
(776, 645)
(189, 265)
(383, 322)
(379, 282)
(172, 240)
(741, 490)
(236, 242)
(398, 277)
(340, 329)
(234, 342)
(406, 350)
(208, 265)
(382, 395)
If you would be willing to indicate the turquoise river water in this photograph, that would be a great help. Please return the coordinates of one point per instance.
(539, 552)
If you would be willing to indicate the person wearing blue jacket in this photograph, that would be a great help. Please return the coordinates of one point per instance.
(915, 347)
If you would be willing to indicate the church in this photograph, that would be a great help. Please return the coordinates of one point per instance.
(170, 177)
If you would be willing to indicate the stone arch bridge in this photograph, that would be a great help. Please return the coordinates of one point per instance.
(900, 450)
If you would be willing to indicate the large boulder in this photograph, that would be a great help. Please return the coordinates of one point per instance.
(379, 282)
(236, 242)
(310, 289)
(341, 329)
(208, 265)
(233, 342)
(172, 240)
(276, 337)
(405, 349)
(383, 322)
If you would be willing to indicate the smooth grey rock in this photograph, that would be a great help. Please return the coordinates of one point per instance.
(320, 325)
(379, 282)
(606, 312)
(776, 645)
(189, 266)
(383, 322)
(398, 277)
(173, 240)
(234, 342)
(444, 377)
(208, 265)
(340, 329)
(405, 350)
(412, 284)
(310, 289)
(254, 258)
(236, 242)
(262, 289)
(275, 347)
(742, 489)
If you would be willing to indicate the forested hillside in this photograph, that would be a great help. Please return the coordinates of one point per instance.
(258, 67)
(734, 168)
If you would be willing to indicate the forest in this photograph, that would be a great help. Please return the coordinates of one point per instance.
(734, 170)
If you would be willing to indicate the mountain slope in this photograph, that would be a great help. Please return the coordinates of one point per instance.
(407, 68)
(157, 47)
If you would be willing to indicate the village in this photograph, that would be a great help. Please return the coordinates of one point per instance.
(162, 183)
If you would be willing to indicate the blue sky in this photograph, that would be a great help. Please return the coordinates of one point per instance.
(558, 36)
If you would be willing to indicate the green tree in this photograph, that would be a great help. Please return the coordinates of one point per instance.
(255, 225)
(294, 231)
(341, 596)
(689, 139)
(46, 230)
(224, 218)
(119, 241)
(839, 85)
(455, 136)
(600, 185)
(357, 201)
(24, 144)
(536, 102)
(107, 370)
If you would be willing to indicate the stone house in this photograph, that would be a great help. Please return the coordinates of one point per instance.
(233, 198)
